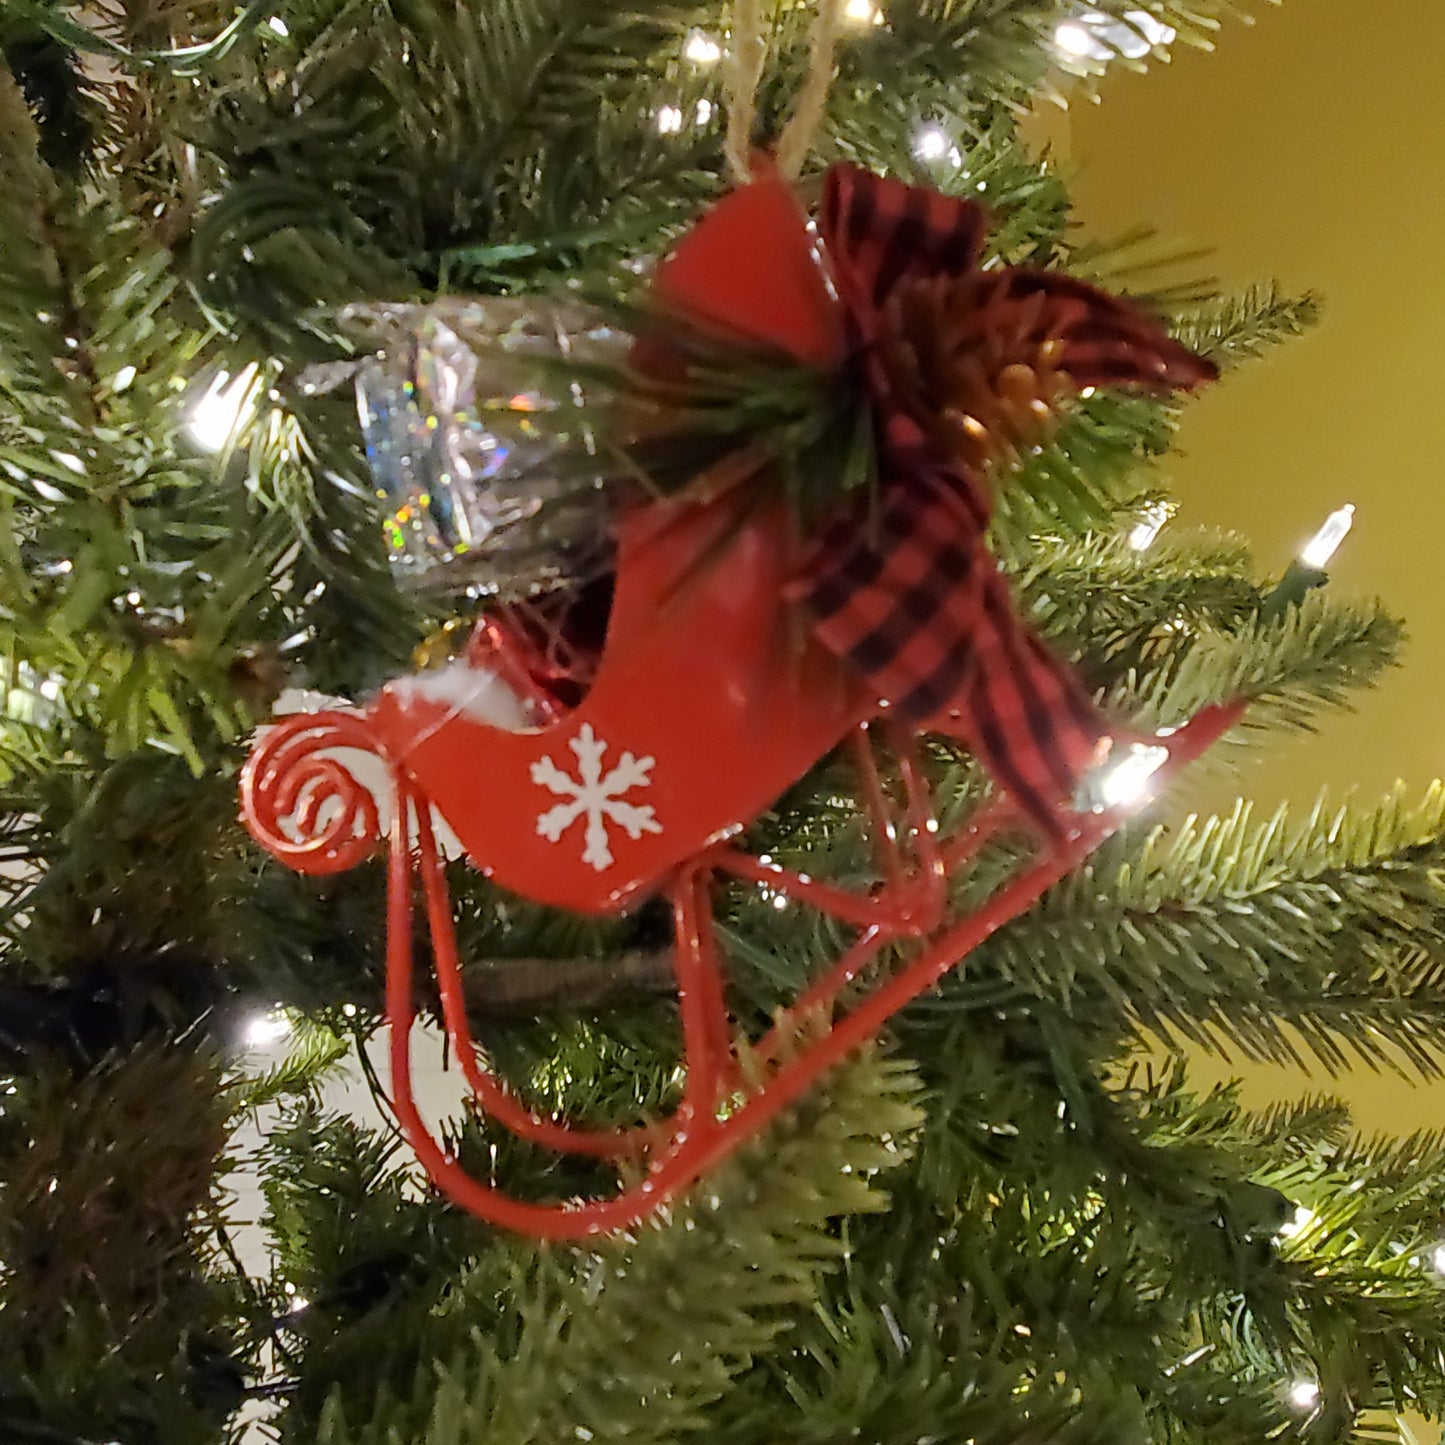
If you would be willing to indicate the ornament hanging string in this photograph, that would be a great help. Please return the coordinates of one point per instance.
(746, 58)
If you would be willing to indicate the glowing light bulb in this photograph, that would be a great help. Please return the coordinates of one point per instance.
(266, 1029)
(931, 143)
(702, 49)
(1325, 543)
(1148, 526)
(1072, 39)
(1304, 1218)
(862, 12)
(1094, 36)
(1123, 781)
(220, 412)
(669, 120)
(703, 113)
(279, 26)
(1304, 1394)
(1136, 35)
(123, 379)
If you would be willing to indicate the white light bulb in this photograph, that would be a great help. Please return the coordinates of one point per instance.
(50, 689)
(862, 12)
(123, 378)
(220, 411)
(1148, 526)
(1073, 40)
(1304, 1218)
(1094, 36)
(1124, 780)
(266, 1029)
(669, 120)
(1136, 35)
(702, 49)
(1325, 543)
(931, 144)
(1437, 1259)
(703, 113)
(298, 1303)
(279, 26)
(1304, 1394)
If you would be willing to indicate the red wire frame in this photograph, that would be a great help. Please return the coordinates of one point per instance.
(717, 1112)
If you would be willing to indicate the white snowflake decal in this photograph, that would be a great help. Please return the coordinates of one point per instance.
(595, 796)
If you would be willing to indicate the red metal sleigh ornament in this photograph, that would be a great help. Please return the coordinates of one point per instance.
(705, 707)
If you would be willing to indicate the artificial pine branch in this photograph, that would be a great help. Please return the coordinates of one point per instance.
(1241, 328)
(697, 1296)
(107, 1314)
(1227, 929)
(31, 338)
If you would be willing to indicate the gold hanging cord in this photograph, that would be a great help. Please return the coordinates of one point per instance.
(746, 57)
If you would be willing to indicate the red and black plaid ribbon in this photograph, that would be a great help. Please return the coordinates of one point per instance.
(908, 593)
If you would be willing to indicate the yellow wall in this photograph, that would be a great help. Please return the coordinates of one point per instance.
(1311, 147)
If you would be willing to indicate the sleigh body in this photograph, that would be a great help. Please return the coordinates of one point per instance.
(710, 701)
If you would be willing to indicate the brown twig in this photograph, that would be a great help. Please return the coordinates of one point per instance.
(520, 986)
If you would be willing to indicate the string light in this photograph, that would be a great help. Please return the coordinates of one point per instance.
(1135, 35)
(1304, 1219)
(1304, 1394)
(931, 143)
(1093, 36)
(702, 49)
(779, 900)
(220, 411)
(1325, 543)
(671, 117)
(266, 1029)
(1123, 782)
(279, 26)
(1307, 572)
(1148, 526)
(862, 12)
(1071, 39)
(27, 696)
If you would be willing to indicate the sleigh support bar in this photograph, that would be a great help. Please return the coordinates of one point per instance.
(698, 1136)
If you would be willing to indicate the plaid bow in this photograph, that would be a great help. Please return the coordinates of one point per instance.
(908, 593)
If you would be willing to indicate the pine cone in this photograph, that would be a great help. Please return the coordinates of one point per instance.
(977, 367)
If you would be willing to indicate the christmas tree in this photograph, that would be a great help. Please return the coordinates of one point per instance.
(1009, 1219)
